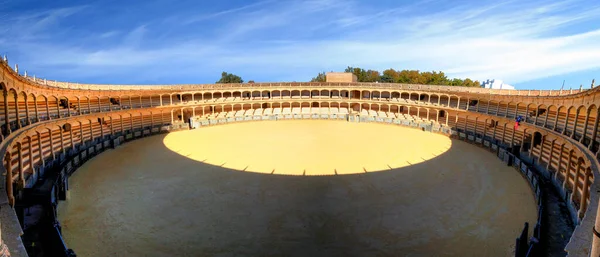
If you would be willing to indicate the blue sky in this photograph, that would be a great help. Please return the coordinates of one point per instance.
(530, 44)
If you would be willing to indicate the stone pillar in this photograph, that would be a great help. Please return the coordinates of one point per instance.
(562, 148)
(575, 185)
(81, 133)
(58, 107)
(72, 141)
(584, 193)
(566, 123)
(40, 152)
(531, 148)
(568, 172)
(596, 236)
(27, 111)
(31, 156)
(21, 182)
(62, 141)
(112, 132)
(52, 144)
(595, 130)
(68, 108)
(17, 111)
(47, 109)
(6, 117)
(585, 125)
(541, 148)
(575, 125)
(550, 157)
(9, 179)
(160, 100)
(35, 106)
(91, 132)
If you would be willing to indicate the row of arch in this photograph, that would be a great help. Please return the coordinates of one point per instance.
(556, 117)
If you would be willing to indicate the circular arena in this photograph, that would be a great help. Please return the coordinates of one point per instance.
(296, 169)
(296, 188)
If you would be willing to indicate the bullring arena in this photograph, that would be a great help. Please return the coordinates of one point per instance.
(317, 169)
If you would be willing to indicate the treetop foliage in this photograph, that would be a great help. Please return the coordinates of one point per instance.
(321, 77)
(230, 78)
(404, 76)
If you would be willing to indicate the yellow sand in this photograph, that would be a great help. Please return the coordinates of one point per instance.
(144, 199)
(308, 147)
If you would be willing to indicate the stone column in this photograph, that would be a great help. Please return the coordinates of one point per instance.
(62, 141)
(575, 185)
(584, 193)
(52, 144)
(40, 152)
(9, 179)
(566, 123)
(81, 132)
(68, 108)
(58, 107)
(541, 149)
(35, 106)
(72, 141)
(27, 111)
(21, 182)
(47, 109)
(6, 117)
(596, 236)
(575, 124)
(568, 172)
(585, 125)
(17, 111)
(562, 148)
(550, 157)
(91, 132)
(31, 156)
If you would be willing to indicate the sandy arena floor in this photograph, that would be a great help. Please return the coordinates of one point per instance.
(227, 191)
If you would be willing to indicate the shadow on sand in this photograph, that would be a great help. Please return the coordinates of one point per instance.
(144, 199)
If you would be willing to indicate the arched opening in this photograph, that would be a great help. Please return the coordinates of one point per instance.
(537, 139)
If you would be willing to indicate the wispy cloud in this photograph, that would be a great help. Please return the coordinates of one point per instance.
(293, 40)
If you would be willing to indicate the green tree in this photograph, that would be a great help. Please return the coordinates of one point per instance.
(321, 77)
(230, 78)
(410, 77)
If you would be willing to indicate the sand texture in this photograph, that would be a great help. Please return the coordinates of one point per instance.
(296, 188)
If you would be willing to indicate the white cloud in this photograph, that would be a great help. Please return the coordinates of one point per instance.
(512, 40)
